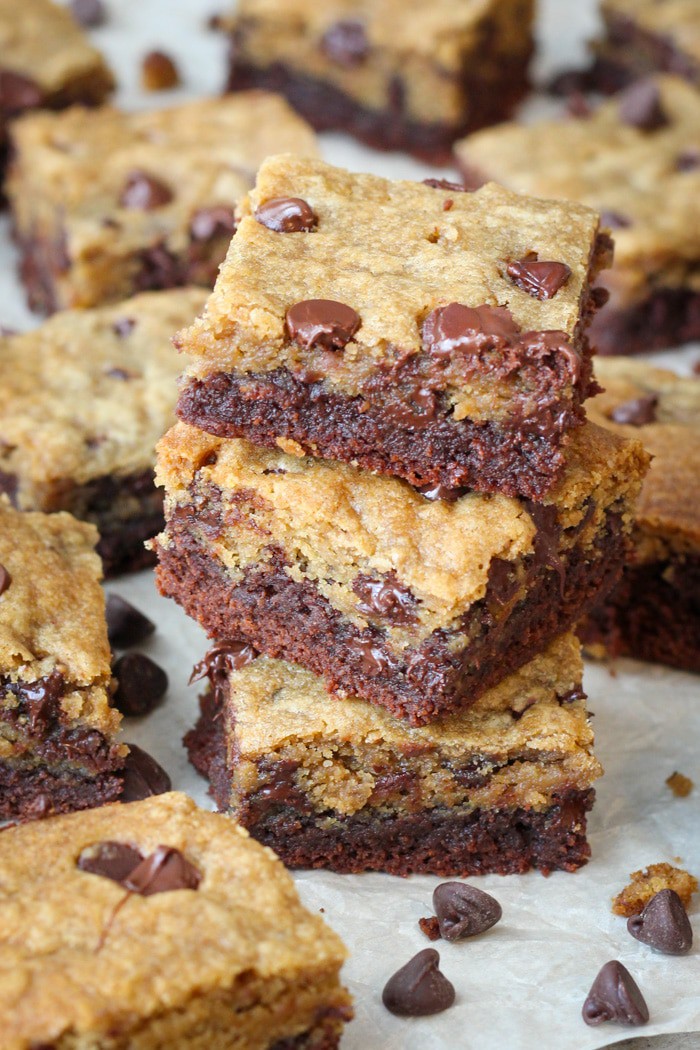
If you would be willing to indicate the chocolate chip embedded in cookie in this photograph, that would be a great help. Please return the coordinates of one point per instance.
(287, 215)
(322, 322)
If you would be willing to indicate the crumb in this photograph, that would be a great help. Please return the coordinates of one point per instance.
(322, 910)
(291, 447)
(430, 927)
(159, 72)
(645, 884)
(680, 785)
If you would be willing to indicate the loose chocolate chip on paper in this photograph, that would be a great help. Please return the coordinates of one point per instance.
(143, 776)
(17, 93)
(637, 412)
(287, 215)
(419, 988)
(540, 279)
(614, 996)
(322, 322)
(346, 43)
(663, 924)
(163, 871)
(641, 106)
(464, 911)
(215, 221)
(141, 684)
(456, 327)
(5, 579)
(144, 192)
(89, 13)
(126, 626)
(111, 860)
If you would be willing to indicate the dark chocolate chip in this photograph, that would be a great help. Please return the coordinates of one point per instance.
(222, 659)
(287, 215)
(159, 71)
(5, 579)
(637, 412)
(572, 695)
(599, 296)
(215, 221)
(419, 988)
(663, 924)
(443, 492)
(18, 93)
(385, 599)
(111, 860)
(688, 160)
(615, 220)
(89, 13)
(123, 325)
(430, 927)
(143, 776)
(122, 374)
(464, 911)
(40, 699)
(640, 106)
(126, 626)
(141, 684)
(163, 871)
(371, 658)
(614, 996)
(461, 328)
(445, 184)
(322, 322)
(346, 43)
(144, 192)
(542, 280)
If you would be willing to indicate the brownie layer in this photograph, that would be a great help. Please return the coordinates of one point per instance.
(28, 792)
(652, 614)
(668, 317)
(294, 621)
(630, 51)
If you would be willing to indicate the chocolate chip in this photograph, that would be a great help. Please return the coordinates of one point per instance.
(663, 924)
(443, 492)
(221, 660)
(111, 860)
(122, 326)
(163, 871)
(346, 43)
(542, 280)
(615, 220)
(215, 221)
(159, 72)
(464, 911)
(322, 322)
(637, 412)
(287, 215)
(144, 192)
(143, 776)
(466, 329)
(688, 160)
(371, 658)
(5, 579)
(141, 684)
(419, 988)
(386, 599)
(572, 695)
(445, 184)
(430, 927)
(89, 13)
(18, 93)
(640, 106)
(614, 996)
(126, 626)
(120, 373)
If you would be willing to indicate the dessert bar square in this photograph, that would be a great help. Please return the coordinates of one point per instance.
(417, 605)
(637, 160)
(57, 730)
(398, 74)
(414, 330)
(47, 62)
(157, 924)
(500, 788)
(83, 400)
(654, 612)
(159, 215)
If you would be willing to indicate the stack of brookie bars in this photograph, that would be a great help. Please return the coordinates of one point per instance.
(385, 505)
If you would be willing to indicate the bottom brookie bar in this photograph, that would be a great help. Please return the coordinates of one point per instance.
(342, 785)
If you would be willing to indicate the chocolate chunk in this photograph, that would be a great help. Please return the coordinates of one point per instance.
(462, 328)
(88, 13)
(688, 160)
(464, 911)
(126, 626)
(163, 871)
(40, 700)
(287, 215)
(346, 43)
(123, 325)
(18, 93)
(215, 221)
(221, 659)
(159, 72)
(614, 996)
(542, 280)
(5, 579)
(141, 684)
(430, 927)
(111, 860)
(385, 599)
(640, 106)
(144, 192)
(143, 776)
(445, 184)
(322, 322)
(419, 988)
(615, 220)
(637, 412)
(663, 924)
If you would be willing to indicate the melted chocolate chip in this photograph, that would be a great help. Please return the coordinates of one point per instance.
(419, 988)
(614, 996)
(688, 160)
(464, 911)
(141, 684)
(346, 43)
(18, 93)
(163, 871)
(455, 327)
(640, 106)
(414, 407)
(547, 535)
(443, 492)
(385, 599)
(503, 584)
(371, 658)
(322, 322)
(615, 220)
(637, 412)
(5, 579)
(445, 184)
(663, 924)
(143, 776)
(111, 860)
(123, 325)
(287, 215)
(222, 659)
(88, 13)
(542, 280)
(215, 221)
(126, 626)
(144, 192)
(40, 700)
(430, 927)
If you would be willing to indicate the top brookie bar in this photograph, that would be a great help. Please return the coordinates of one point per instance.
(399, 74)
(57, 728)
(417, 605)
(412, 329)
(158, 215)
(637, 160)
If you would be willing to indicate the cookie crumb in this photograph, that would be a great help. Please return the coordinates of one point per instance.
(644, 884)
(159, 72)
(680, 785)
(430, 927)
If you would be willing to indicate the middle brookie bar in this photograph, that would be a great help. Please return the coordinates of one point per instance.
(500, 788)
(414, 330)
(417, 605)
